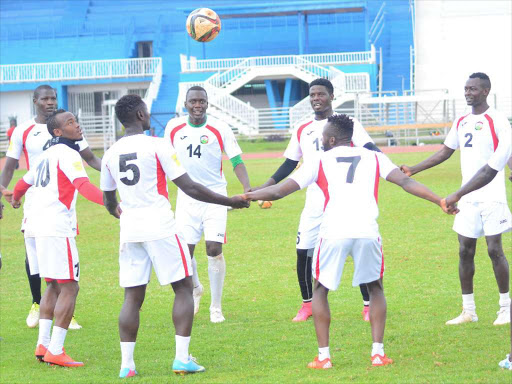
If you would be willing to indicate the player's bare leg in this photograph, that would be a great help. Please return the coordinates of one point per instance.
(198, 287)
(322, 320)
(183, 317)
(129, 320)
(64, 309)
(216, 273)
(46, 309)
(378, 310)
(467, 248)
(305, 279)
(501, 272)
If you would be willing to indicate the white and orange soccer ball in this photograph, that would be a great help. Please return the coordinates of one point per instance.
(203, 25)
(264, 204)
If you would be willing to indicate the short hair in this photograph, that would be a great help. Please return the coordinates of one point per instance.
(127, 107)
(51, 121)
(344, 125)
(326, 83)
(482, 76)
(196, 88)
(38, 90)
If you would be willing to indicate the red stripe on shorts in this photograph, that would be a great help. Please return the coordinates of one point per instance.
(70, 260)
(317, 267)
(183, 258)
(382, 261)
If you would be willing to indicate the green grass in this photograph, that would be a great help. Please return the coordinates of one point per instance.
(258, 343)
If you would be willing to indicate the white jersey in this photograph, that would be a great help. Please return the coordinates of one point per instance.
(138, 166)
(482, 139)
(306, 143)
(53, 190)
(200, 149)
(349, 180)
(32, 139)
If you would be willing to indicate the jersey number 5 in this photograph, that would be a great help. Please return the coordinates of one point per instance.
(124, 167)
(353, 160)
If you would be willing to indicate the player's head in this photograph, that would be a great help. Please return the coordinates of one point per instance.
(45, 100)
(477, 88)
(62, 123)
(337, 131)
(196, 103)
(132, 111)
(321, 94)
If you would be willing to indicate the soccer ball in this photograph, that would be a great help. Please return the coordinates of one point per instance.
(203, 25)
(264, 204)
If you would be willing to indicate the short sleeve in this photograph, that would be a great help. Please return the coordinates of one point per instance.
(386, 166)
(307, 174)
(16, 144)
(293, 150)
(452, 139)
(503, 151)
(107, 181)
(83, 144)
(231, 146)
(359, 136)
(71, 164)
(169, 160)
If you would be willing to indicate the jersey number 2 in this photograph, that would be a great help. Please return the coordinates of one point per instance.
(197, 151)
(125, 167)
(470, 137)
(353, 160)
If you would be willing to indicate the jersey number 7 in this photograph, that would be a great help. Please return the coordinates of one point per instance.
(353, 160)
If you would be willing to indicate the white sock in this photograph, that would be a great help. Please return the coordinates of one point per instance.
(182, 343)
(216, 272)
(378, 349)
(366, 303)
(468, 303)
(127, 348)
(45, 327)
(57, 340)
(504, 299)
(195, 276)
(323, 353)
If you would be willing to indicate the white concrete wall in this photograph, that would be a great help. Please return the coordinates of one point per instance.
(455, 38)
(15, 104)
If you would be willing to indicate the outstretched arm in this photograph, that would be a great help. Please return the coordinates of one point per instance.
(88, 190)
(437, 158)
(110, 202)
(201, 193)
(483, 177)
(417, 189)
(274, 192)
(282, 172)
(91, 159)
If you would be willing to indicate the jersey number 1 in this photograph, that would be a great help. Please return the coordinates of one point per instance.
(125, 167)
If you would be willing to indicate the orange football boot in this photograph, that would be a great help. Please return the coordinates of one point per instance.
(317, 364)
(63, 360)
(379, 360)
(40, 352)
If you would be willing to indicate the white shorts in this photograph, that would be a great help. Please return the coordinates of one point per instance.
(330, 255)
(195, 217)
(57, 258)
(310, 220)
(169, 257)
(30, 247)
(482, 219)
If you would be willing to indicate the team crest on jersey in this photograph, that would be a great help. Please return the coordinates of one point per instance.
(204, 139)
(479, 126)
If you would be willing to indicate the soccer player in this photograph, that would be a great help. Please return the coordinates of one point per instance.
(306, 143)
(52, 227)
(138, 165)
(484, 139)
(348, 178)
(32, 139)
(199, 141)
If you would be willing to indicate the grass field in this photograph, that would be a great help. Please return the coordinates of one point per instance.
(258, 343)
